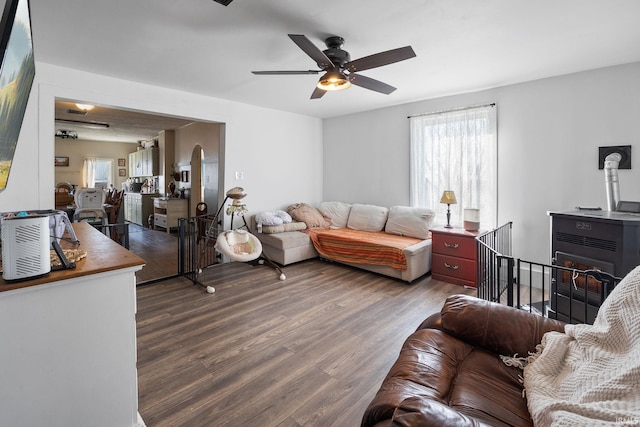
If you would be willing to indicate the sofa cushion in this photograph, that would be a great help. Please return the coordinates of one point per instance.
(306, 213)
(283, 241)
(336, 212)
(367, 217)
(282, 228)
(411, 222)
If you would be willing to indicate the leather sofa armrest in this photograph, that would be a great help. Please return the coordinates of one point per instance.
(432, 322)
(495, 327)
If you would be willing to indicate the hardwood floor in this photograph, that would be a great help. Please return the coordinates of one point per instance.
(308, 351)
(158, 248)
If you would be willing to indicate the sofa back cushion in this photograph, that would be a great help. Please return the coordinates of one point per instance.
(410, 222)
(336, 212)
(367, 217)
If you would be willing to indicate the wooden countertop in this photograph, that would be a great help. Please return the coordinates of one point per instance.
(103, 254)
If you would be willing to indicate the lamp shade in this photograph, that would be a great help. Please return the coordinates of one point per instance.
(448, 197)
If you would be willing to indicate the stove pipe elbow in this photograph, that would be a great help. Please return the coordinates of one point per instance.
(611, 163)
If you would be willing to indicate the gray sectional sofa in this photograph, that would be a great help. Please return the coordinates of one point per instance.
(289, 243)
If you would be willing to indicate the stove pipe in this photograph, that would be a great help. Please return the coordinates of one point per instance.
(611, 163)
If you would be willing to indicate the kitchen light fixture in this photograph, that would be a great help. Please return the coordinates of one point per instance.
(334, 80)
(91, 125)
(85, 107)
(449, 198)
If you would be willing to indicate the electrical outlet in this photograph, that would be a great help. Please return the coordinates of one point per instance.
(239, 176)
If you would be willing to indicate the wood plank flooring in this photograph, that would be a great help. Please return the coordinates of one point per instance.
(308, 351)
(158, 248)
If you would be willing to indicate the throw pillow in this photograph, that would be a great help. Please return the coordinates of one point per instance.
(336, 212)
(411, 222)
(367, 217)
(273, 218)
(306, 213)
(285, 217)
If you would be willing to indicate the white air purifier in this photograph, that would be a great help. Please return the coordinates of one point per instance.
(25, 247)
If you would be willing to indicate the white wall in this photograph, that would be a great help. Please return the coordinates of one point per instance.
(549, 132)
(279, 153)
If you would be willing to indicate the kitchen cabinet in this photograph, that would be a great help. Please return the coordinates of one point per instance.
(138, 207)
(167, 211)
(144, 163)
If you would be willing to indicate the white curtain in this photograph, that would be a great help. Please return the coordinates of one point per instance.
(89, 172)
(456, 150)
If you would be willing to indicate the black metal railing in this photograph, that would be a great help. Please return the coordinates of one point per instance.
(570, 295)
(494, 254)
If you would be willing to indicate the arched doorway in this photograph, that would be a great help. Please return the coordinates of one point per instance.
(204, 179)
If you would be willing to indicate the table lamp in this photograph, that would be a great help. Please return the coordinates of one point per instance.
(449, 198)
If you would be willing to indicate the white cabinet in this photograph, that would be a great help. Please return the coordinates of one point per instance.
(144, 163)
(138, 207)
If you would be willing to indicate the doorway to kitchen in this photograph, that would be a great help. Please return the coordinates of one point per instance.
(191, 153)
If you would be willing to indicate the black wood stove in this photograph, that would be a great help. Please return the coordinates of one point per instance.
(590, 240)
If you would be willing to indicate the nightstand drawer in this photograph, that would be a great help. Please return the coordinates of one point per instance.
(454, 267)
(458, 246)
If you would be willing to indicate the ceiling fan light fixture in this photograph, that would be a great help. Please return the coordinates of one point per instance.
(334, 80)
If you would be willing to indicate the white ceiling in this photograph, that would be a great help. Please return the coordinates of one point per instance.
(203, 47)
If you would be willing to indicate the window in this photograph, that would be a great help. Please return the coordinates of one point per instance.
(456, 150)
(98, 173)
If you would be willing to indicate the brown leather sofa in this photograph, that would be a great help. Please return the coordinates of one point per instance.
(448, 372)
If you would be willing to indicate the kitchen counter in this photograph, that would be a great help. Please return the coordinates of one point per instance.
(68, 351)
(103, 254)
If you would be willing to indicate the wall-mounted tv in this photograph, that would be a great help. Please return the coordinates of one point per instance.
(17, 71)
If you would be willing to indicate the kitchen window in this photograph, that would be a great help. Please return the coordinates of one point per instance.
(97, 172)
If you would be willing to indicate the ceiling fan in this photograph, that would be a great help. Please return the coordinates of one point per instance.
(340, 72)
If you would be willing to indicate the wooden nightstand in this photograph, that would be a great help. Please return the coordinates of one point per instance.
(454, 255)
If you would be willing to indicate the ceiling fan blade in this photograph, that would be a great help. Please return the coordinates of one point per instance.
(274, 73)
(318, 93)
(380, 59)
(369, 83)
(312, 50)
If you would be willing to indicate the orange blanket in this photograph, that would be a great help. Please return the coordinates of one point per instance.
(361, 247)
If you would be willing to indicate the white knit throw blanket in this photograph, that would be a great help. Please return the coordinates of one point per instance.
(590, 375)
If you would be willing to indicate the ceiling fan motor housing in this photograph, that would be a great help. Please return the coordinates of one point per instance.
(334, 52)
